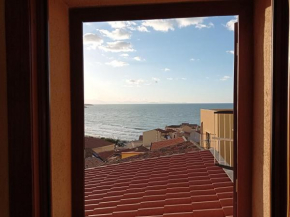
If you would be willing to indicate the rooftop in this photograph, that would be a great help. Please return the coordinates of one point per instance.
(222, 111)
(106, 154)
(93, 142)
(182, 185)
(161, 130)
(174, 126)
(140, 148)
(165, 143)
(166, 151)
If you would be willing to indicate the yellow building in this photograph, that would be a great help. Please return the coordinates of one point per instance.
(216, 131)
(130, 154)
(155, 135)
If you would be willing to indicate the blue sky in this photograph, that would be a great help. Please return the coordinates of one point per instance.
(188, 60)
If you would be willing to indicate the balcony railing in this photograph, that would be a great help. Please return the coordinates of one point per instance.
(223, 151)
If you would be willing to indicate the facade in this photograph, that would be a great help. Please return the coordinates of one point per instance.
(130, 154)
(216, 132)
(155, 135)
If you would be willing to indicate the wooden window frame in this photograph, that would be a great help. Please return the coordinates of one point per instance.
(280, 150)
(26, 28)
(26, 24)
(243, 104)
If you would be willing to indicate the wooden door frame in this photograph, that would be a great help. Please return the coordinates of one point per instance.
(26, 28)
(156, 11)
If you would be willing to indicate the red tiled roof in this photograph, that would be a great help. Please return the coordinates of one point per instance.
(160, 130)
(92, 162)
(165, 143)
(140, 148)
(106, 154)
(184, 185)
(93, 142)
(170, 150)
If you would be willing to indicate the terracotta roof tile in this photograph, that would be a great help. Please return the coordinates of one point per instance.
(106, 154)
(166, 143)
(140, 148)
(180, 185)
(92, 162)
(93, 142)
(176, 149)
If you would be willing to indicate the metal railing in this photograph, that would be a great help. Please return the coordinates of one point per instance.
(223, 152)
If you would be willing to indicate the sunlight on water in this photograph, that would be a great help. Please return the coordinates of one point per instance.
(127, 122)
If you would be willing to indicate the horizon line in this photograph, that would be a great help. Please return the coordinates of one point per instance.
(157, 103)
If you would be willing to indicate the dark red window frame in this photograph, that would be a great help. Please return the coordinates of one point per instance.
(77, 16)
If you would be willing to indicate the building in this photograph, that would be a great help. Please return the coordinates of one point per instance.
(131, 144)
(98, 145)
(166, 143)
(130, 154)
(156, 135)
(176, 128)
(216, 131)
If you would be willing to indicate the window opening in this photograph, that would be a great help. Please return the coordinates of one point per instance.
(159, 116)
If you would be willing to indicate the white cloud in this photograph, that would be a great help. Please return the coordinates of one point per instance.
(170, 24)
(225, 78)
(166, 69)
(210, 25)
(121, 24)
(142, 29)
(124, 55)
(92, 40)
(170, 79)
(231, 24)
(160, 25)
(117, 46)
(156, 80)
(184, 22)
(230, 51)
(207, 77)
(192, 59)
(138, 59)
(184, 78)
(117, 34)
(116, 63)
(197, 22)
(135, 81)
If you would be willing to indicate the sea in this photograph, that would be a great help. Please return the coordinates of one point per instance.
(128, 121)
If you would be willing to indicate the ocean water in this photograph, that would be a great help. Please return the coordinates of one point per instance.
(127, 122)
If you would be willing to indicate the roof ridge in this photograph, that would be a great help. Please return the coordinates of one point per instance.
(137, 160)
